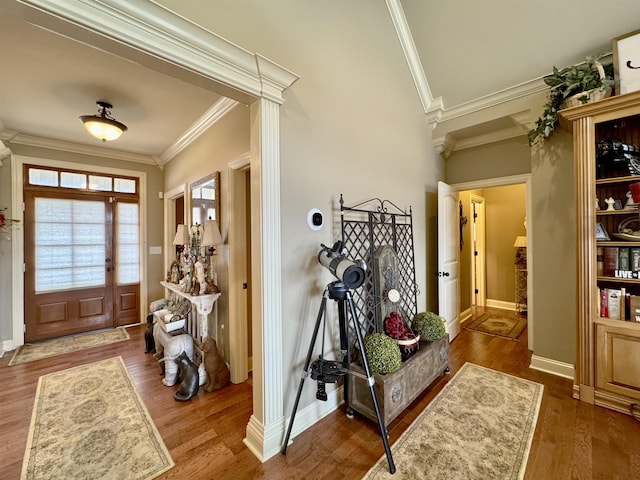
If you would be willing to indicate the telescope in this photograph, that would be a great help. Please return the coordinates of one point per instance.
(347, 271)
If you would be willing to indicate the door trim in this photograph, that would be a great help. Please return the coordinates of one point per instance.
(17, 163)
(478, 267)
(238, 351)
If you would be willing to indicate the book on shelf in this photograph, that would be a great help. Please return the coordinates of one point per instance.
(610, 261)
(623, 258)
(614, 304)
(634, 308)
(634, 259)
(604, 311)
(600, 261)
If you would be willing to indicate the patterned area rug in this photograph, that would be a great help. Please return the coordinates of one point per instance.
(479, 427)
(499, 325)
(49, 348)
(89, 422)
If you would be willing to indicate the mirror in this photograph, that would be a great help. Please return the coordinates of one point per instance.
(205, 199)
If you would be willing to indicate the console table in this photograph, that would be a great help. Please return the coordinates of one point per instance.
(204, 305)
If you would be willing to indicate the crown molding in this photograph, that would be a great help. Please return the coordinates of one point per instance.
(42, 142)
(210, 117)
(410, 52)
(154, 30)
(510, 94)
(448, 143)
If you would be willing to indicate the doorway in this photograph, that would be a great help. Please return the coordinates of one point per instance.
(82, 252)
(499, 290)
(240, 270)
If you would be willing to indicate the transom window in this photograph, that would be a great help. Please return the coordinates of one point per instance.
(44, 177)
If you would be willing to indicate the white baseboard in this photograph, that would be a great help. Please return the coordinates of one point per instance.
(315, 412)
(500, 304)
(264, 446)
(562, 369)
(465, 315)
(6, 346)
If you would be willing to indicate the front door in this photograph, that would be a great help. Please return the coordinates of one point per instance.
(81, 240)
(68, 269)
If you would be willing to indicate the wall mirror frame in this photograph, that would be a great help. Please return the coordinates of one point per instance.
(205, 199)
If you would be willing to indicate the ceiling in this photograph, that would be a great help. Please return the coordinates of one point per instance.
(48, 81)
(468, 50)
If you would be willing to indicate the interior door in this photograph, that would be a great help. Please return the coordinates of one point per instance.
(68, 264)
(449, 258)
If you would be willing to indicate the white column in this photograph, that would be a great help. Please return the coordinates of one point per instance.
(266, 425)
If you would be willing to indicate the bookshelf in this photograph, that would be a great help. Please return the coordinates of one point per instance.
(606, 140)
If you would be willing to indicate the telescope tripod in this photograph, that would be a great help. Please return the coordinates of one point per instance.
(328, 371)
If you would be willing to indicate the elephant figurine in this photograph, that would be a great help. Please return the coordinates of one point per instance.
(168, 347)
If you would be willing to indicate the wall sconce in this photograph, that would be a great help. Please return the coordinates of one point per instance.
(103, 126)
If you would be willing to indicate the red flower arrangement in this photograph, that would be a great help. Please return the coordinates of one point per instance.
(5, 222)
(394, 326)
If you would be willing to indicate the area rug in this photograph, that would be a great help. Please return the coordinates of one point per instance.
(480, 426)
(501, 326)
(50, 348)
(89, 422)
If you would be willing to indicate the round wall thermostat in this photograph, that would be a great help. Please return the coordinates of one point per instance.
(315, 219)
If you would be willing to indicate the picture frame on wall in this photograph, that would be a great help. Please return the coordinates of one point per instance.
(626, 62)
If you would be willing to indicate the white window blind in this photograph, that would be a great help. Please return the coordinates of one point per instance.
(69, 243)
(128, 252)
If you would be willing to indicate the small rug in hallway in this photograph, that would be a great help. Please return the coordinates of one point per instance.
(50, 348)
(480, 426)
(501, 326)
(89, 422)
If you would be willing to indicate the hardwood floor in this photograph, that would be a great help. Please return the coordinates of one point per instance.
(573, 440)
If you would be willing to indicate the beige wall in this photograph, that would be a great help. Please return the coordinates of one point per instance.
(225, 141)
(504, 220)
(498, 159)
(553, 271)
(351, 125)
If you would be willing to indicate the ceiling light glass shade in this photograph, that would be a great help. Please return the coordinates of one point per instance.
(103, 126)
(182, 236)
(211, 236)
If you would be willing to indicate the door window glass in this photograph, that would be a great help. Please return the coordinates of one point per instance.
(69, 243)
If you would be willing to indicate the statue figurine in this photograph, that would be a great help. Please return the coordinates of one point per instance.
(610, 204)
(201, 277)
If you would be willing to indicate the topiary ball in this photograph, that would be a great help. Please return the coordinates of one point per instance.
(428, 325)
(382, 352)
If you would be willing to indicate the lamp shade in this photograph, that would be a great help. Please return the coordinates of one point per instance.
(211, 236)
(521, 241)
(103, 126)
(182, 235)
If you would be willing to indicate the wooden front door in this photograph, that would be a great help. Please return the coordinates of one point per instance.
(68, 264)
(82, 252)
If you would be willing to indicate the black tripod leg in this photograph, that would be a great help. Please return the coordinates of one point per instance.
(365, 361)
(305, 371)
(344, 347)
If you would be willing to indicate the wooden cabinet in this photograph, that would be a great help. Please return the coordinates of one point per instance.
(606, 135)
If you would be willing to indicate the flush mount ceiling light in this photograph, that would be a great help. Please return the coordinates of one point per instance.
(103, 126)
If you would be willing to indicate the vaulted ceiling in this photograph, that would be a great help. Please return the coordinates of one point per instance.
(465, 50)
